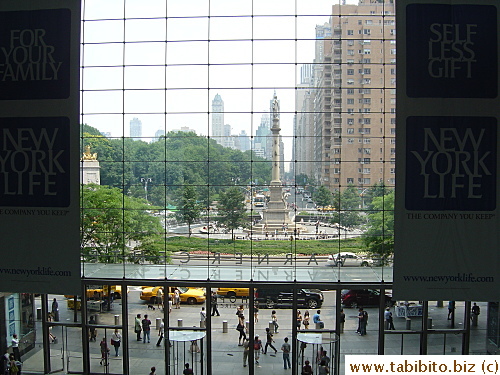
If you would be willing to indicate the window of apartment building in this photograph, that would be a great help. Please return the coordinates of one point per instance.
(365, 91)
(393, 141)
(365, 101)
(367, 110)
(364, 181)
(393, 130)
(350, 91)
(350, 110)
(350, 180)
(350, 61)
(364, 130)
(337, 130)
(350, 141)
(350, 42)
(366, 71)
(350, 32)
(393, 151)
(366, 41)
(393, 170)
(393, 160)
(393, 101)
(350, 72)
(366, 61)
(350, 81)
(368, 22)
(366, 81)
(364, 160)
(336, 180)
(336, 170)
(350, 52)
(350, 131)
(336, 161)
(367, 140)
(360, 22)
(393, 110)
(350, 101)
(366, 121)
(392, 181)
(366, 51)
(393, 81)
(393, 71)
(364, 170)
(350, 121)
(366, 32)
(393, 51)
(364, 150)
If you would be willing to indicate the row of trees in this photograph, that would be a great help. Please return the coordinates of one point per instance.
(172, 162)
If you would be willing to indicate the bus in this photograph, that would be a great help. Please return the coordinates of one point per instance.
(259, 200)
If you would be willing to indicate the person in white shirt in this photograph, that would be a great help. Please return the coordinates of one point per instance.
(15, 347)
(116, 339)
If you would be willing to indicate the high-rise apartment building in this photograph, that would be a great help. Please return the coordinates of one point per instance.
(354, 97)
(218, 119)
(136, 128)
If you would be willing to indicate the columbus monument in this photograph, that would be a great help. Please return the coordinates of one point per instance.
(276, 217)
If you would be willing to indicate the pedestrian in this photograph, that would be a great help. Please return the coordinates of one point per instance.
(177, 298)
(325, 358)
(241, 329)
(246, 351)
(153, 371)
(363, 321)
(298, 320)
(159, 298)
(104, 352)
(4, 363)
(187, 370)
(55, 310)
(307, 369)
(203, 316)
(116, 339)
(323, 368)
(213, 301)
(256, 313)
(92, 330)
(269, 341)
(52, 337)
(306, 319)
(475, 311)
(389, 321)
(317, 320)
(161, 332)
(451, 309)
(257, 347)
(342, 320)
(274, 319)
(15, 347)
(146, 328)
(285, 348)
(240, 310)
(13, 365)
(137, 326)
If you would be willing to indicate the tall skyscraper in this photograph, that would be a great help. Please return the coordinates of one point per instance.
(218, 119)
(262, 135)
(135, 129)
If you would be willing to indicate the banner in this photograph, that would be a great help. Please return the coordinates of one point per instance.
(39, 152)
(446, 219)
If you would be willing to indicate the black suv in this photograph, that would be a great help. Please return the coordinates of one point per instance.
(283, 297)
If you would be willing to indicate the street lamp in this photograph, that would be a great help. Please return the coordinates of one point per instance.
(145, 181)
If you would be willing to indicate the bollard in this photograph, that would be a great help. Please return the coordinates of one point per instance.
(39, 313)
(429, 323)
(158, 323)
(224, 326)
(97, 319)
(179, 322)
(202, 324)
(117, 320)
(439, 303)
(271, 326)
(408, 323)
(318, 325)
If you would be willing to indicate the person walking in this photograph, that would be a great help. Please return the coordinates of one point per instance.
(285, 348)
(213, 301)
(177, 298)
(138, 326)
(256, 313)
(55, 310)
(153, 371)
(342, 320)
(92, 330)
(451, 309)
(116, 339)
(257, 347)
(306, 320)
(15, 347)
(241, 329)
(246, 351)
(104, 352)
(323, 368)
(298, 320)
(475, 311)
(269, 341)
(389, 321)
(363, 321)
(203, 316)
(146, 328)
(161, 333)
(274, 319)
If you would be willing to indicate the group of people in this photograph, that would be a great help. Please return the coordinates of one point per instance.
(260, 349)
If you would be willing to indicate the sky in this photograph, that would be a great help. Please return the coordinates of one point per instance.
(275, 55)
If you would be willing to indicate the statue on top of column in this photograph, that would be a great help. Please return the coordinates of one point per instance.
(276, 107)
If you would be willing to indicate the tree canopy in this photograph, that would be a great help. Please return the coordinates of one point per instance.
(231, 207)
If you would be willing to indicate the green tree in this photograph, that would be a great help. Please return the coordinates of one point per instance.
(111, 221)
(231, 207)
(189, 209)
(347, 207)
(379, 238)
(322, 197)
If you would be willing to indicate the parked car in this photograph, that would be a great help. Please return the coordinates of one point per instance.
(344, 259)
(283, 297)
(364, 297)
(188, 295)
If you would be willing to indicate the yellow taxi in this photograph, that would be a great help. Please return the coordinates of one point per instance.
(233, 292)
(188, 295)
(100, 291)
